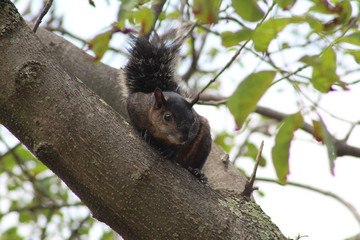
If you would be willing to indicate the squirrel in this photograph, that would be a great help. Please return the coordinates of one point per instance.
(158, 107)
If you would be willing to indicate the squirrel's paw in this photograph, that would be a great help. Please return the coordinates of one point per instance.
(196, 172)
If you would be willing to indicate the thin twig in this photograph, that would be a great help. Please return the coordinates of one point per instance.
(232, 60)
(76, 230)
(225, 67)
(349, 206)
(195, 57)
(49, 216)
(353, 125)
(42, 14)
(249, 187)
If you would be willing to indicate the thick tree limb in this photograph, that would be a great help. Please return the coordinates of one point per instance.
(95, 152)
(105, 81)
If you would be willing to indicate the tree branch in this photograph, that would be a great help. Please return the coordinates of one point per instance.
(342, 148)
(97, 154)
(349, 206)
(105, 81)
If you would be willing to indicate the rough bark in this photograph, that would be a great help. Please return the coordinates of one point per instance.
(105, 81)
(96, 153)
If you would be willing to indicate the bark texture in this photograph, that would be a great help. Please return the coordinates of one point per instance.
(46, 104)
(105, 81)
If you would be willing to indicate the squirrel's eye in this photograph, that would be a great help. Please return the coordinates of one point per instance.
(167, 117)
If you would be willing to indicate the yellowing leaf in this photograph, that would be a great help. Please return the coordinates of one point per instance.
(248, 93)
(325, 137)
(318, 133)
(100, 44)
(206, 11)
(280, 151)
(248, 10)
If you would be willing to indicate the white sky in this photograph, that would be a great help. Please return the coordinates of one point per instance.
(295, 211)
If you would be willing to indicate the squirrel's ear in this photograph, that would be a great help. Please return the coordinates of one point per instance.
(195, 100)
(159, 98)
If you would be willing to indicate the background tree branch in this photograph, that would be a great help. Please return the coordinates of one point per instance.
(341, 146)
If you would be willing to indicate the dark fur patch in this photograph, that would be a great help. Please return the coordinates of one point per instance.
(151, 65)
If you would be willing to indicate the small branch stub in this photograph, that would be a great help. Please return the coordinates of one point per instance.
(249, 187)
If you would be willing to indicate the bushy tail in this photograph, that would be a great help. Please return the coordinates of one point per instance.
(152, 65)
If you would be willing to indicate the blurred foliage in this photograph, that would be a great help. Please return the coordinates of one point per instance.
(34, 202)
(323, 33)
(280, 151)
(248, 93)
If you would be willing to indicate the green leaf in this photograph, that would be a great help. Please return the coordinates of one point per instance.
(107, 236)
(145, 17)
(342, 9)
(14, 205)
(345, 11)
(353, 38)
(229, 39)
(11, 234)
(25, 217)
(39, 168)
(285, 4)
(225, 141)
(324, 75)
(100, 44)
(268, 31)
(248, 93)
(24, 153)
(355, 54)
(314, 23)
(280, 151)
(324, 70)
(248, 10)
(9, 161)
(125, 9)
(321, 6)
(252, 151)
(311, 60)
(322, 134)
(206, 11)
